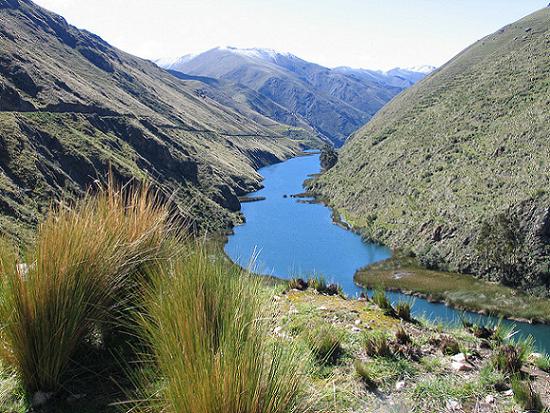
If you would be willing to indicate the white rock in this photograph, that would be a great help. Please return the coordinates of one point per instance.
(399, 385)
(453, 405)
(322, 308)
(459, 358)
(355, 329)
(277, 330)
(357, 322)
(459, 366)
(276, 298)
(490, 399)
(508, 393)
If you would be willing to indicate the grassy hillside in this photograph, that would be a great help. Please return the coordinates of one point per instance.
(72, 106)
(457, 168)
(177, 328)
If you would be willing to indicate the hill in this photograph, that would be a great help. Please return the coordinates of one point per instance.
(333, 103)
(456, 169)
(72, 106)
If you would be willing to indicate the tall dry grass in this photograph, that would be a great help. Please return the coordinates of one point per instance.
(83, 262)
(209, 341)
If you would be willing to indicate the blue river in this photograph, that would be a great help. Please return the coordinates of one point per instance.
(288, 238)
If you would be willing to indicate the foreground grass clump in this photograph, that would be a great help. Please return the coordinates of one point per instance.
(325, 343)
(74, 278)
(525, 396)
(205, 325)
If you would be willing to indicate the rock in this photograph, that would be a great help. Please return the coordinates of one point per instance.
(357, 322)
(508, 393)
(528, 29)
(459, 358)
(399, 385)
(40, 398)
(490, 399)
(460, 366)
(355, 329)
(453, 405)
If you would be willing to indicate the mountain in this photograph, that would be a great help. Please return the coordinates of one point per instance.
(330, 102)
(457, 168)
(72, 107)
(397, 77)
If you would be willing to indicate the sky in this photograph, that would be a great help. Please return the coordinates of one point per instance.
(373, 34)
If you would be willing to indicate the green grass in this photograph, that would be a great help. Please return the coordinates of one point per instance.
(208, 342)
(439, 172)
(543, 363)
(525, 396)
(460, 291)
(325, 341)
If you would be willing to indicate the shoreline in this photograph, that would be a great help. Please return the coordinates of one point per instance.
(431, 296)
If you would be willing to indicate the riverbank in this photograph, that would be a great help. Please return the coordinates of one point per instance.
(403, 274)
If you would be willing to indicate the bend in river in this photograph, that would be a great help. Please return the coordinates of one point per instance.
(287, 237)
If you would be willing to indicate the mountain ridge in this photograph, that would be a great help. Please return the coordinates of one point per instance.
(72, 107)
(331, 102)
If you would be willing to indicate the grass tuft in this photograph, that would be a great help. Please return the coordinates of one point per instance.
(71, 281)
(525, 396)
(325, 343)
(209, 342)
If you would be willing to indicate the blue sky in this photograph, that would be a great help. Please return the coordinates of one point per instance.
(377, 34)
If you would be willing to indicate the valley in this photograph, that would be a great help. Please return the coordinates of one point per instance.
(243, 230)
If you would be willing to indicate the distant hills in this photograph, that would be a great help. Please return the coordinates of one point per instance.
(457, 168)
(72, 106)
(331, 103)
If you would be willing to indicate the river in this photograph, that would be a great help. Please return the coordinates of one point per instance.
(287, 237)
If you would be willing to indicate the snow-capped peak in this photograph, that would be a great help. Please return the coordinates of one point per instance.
(259, 53)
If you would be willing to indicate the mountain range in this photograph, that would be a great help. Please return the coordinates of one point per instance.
(72, 107)
(331, 103)
(456, 169)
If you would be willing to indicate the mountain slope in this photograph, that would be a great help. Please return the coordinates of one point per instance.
(457, 168)
(71, 106)
(331, 102)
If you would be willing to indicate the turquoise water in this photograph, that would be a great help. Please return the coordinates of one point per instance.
(287, 238)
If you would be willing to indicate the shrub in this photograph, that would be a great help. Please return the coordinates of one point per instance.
(318, 283)
(83, 258)
(449, 346)
(325, 343)
(209, 342)
(525, 396)
(507, 359)
(376, 344)
(402, 337)
(403, 310)
(297, 284)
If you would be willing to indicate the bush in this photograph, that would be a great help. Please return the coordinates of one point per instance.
(507, 359)
(326, 343)
(449, 346)
(376, 344)
(402, 337)
(403, 310)
(209, 342)
(83, 259)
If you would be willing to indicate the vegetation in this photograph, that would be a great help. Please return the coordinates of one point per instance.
(404, 273)
(63, 129)
(525, 396)
(438, 170)
(84, 262)
(207, 332)
(328, 157)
